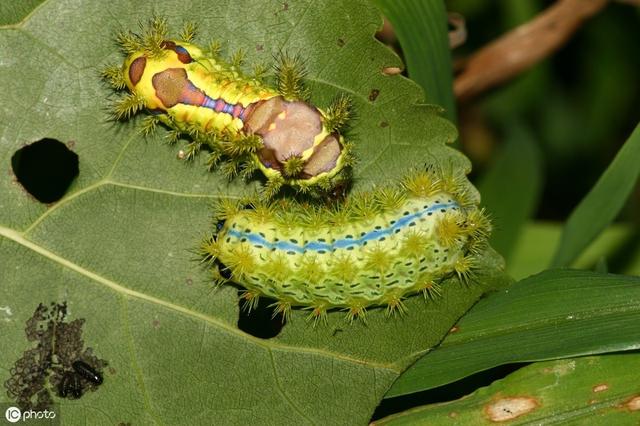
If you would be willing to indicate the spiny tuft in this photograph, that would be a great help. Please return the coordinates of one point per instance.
(128, 106)
(250, 300)
(339, 114)
(290, 74)
(113, 75)
(293, 166)
(189, 31)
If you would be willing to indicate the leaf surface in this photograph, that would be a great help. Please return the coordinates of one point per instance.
(119, 245)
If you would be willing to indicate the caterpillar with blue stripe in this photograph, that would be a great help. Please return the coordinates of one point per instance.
(239, 118)
(374, 249)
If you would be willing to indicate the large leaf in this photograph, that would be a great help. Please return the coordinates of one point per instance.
(591, 390)
(558, 313)
(118, 246)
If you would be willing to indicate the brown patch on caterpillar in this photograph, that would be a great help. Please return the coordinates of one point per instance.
(268, 158)
(171, 85)
(137, 69)
(287, 128)
(324, 157)
(183, 55)
(262, 114)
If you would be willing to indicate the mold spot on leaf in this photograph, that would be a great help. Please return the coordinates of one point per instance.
(51, 364)
(45, 169)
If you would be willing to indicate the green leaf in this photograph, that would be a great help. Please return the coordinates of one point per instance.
(511, 188)
(602, 204)
(590, 390)
(618, 244)
(558, 313)
(421, 28)
(119, 246)
(14, 12)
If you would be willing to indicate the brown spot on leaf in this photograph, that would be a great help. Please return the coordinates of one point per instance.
(509, 408)
(155, 323)
(340, 42)
(384, 124)
(454, 329)
(391, 70)
(633, 404)
(373, 94)
(600, 388)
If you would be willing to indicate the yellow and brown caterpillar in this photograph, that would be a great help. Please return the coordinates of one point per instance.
(375, 249)
(239, 118)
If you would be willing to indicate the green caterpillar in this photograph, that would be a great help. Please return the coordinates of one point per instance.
(239, 118)
(373, 250)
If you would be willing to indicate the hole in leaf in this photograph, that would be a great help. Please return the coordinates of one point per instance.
(260, 322)
(45, 169)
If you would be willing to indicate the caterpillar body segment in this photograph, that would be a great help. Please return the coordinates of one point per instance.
(374, 250)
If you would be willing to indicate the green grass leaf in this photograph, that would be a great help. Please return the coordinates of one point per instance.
(558, 313)
(590, 390)
(619, 245)
(421, 28)
(602, 204)
(118, 247)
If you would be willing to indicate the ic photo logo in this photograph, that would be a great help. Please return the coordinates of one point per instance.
(14, 415)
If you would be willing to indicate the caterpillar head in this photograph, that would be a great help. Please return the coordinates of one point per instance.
(160, 76)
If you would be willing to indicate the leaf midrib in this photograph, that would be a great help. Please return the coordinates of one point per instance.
(19, 238)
